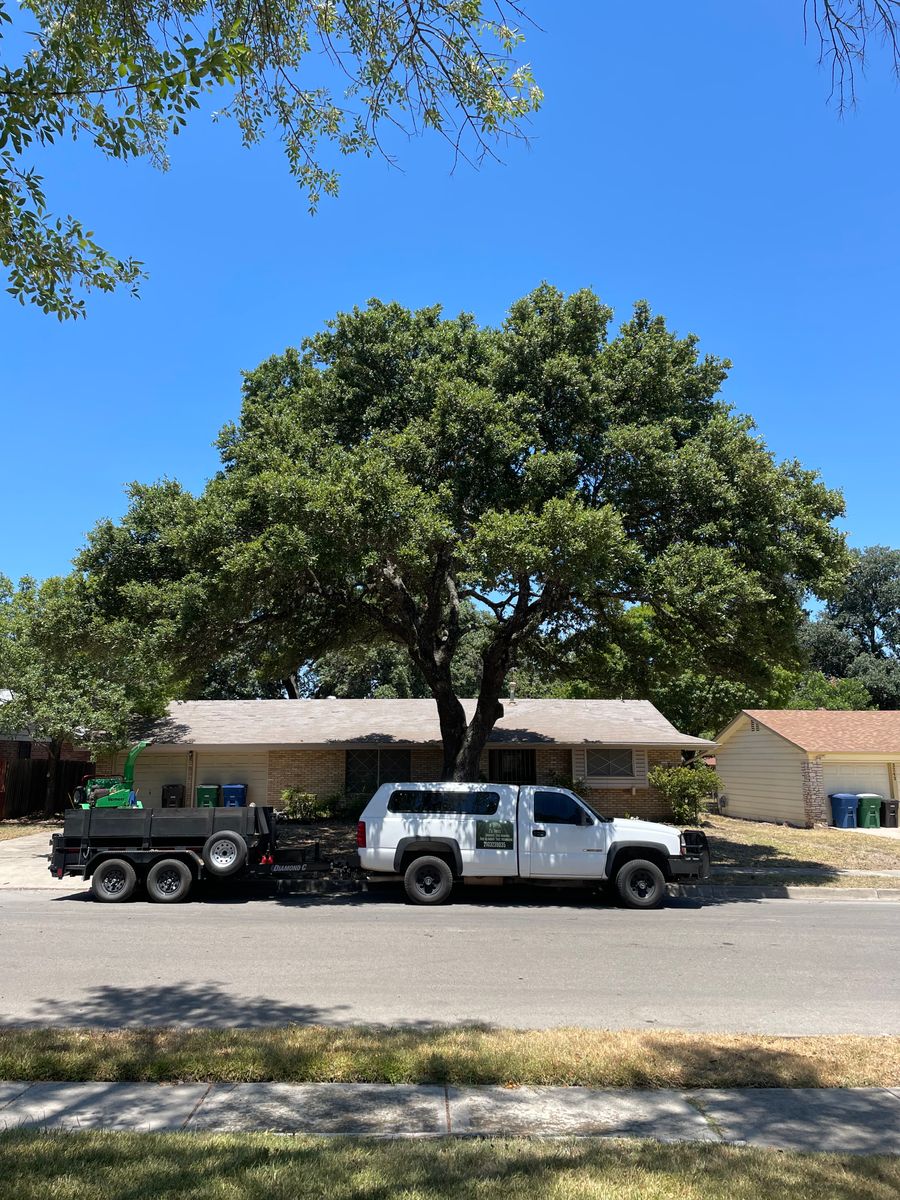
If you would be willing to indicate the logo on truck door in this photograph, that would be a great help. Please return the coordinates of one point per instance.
(494, 835)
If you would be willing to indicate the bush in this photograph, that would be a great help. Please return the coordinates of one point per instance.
(685, 788)
(303, 806)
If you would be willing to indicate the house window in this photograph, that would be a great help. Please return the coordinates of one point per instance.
(512, 766)
(23, 749)
(610, 764)
(367, 770)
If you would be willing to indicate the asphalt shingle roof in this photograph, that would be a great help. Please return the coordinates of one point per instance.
(412, 722)
(823, 731)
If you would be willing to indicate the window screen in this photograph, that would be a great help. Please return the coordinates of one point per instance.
(366, 770)
(512, 766)
(556, 808)
(610, 764)
(469, 804)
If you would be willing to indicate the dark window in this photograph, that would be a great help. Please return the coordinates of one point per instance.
(556, 808)
(23, 749)
(366, 770)
(610, 764)
(512, 766)
(469, 804)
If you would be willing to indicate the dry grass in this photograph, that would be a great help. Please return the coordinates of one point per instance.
(145, 1166)
(758, 844)
(17, 829)
(452, 1055)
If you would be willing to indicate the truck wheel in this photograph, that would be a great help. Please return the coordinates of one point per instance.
(169, 881)
(113, 881)
(224, 853)
(640, 884)
(428, 881)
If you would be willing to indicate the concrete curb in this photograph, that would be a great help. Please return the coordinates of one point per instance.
(823, 894)
(837, 1120)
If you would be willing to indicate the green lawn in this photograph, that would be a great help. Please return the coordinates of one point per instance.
(453, 1055)
(133, 1166)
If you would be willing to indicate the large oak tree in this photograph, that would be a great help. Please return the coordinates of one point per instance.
(401, 466)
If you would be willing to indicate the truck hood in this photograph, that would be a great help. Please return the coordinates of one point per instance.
(627, 827)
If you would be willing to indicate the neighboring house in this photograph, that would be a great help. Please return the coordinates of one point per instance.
(783, 764)
(351, 746)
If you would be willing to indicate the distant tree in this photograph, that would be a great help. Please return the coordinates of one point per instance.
(126, 77)
(815, 690)
(73, 675)
(404, 464)
(857, 636)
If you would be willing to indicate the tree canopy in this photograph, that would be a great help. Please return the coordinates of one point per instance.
(325, 78)
(857, 636)
(403, 465)
(74, 675)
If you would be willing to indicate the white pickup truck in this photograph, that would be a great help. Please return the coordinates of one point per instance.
(432, 834)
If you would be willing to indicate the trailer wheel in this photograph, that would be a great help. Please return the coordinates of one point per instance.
(224, 853)
(168, 881)
(113, 881)
(428, 881)
(640, 884)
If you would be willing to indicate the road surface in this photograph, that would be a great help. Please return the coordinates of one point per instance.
(780, 967)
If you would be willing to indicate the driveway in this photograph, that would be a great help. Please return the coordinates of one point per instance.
(24, 862)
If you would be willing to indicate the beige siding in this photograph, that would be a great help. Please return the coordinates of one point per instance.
(761, 775)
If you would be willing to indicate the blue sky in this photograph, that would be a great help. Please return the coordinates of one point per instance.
(685, 154)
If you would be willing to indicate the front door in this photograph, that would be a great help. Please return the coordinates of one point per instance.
(559, 837)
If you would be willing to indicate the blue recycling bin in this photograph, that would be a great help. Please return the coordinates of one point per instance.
(234, 795)
(843, 809)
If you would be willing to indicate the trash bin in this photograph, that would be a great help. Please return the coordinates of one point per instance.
(843, 809)
(869, 813)
(234, 795)
(173, 795)
(889, 814)
(208, 795)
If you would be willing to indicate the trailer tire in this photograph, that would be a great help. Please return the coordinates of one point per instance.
(169, 881)
(428, 880)
(224, 853)
(640, 884)
(113, 881)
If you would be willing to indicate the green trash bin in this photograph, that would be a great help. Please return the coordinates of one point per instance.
(208, 795)
(869, 815)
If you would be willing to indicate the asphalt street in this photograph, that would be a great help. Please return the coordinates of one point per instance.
(524, 960)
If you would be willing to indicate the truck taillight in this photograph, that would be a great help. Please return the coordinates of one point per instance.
(361, 836)
(682, 848)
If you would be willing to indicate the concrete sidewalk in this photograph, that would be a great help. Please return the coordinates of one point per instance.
(839, 1120)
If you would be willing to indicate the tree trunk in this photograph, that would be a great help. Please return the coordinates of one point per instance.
(488, 711)
(54, 749)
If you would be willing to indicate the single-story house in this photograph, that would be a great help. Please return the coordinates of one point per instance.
(351, 746)
(783, 764)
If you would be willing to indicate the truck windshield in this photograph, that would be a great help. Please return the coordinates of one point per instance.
(592, 808)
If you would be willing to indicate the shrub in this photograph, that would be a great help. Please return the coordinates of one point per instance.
(303, 806)
(685, 788)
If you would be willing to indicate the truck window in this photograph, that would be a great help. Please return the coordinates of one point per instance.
(469, 804)
(556, 808)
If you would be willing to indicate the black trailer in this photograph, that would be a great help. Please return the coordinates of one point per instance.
(167, 849)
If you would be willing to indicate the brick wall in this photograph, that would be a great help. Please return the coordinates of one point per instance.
(318, 771)
(556, 763)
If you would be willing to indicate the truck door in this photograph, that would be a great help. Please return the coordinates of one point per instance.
(558, 836)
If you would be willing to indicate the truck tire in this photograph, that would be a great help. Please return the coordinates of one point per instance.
(169, 881)
(640, 884)
(224, 853)
(113, 881)
(428, 880)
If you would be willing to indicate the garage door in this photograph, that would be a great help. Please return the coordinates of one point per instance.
(153, 771)
(235, 767)
(857, 777)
